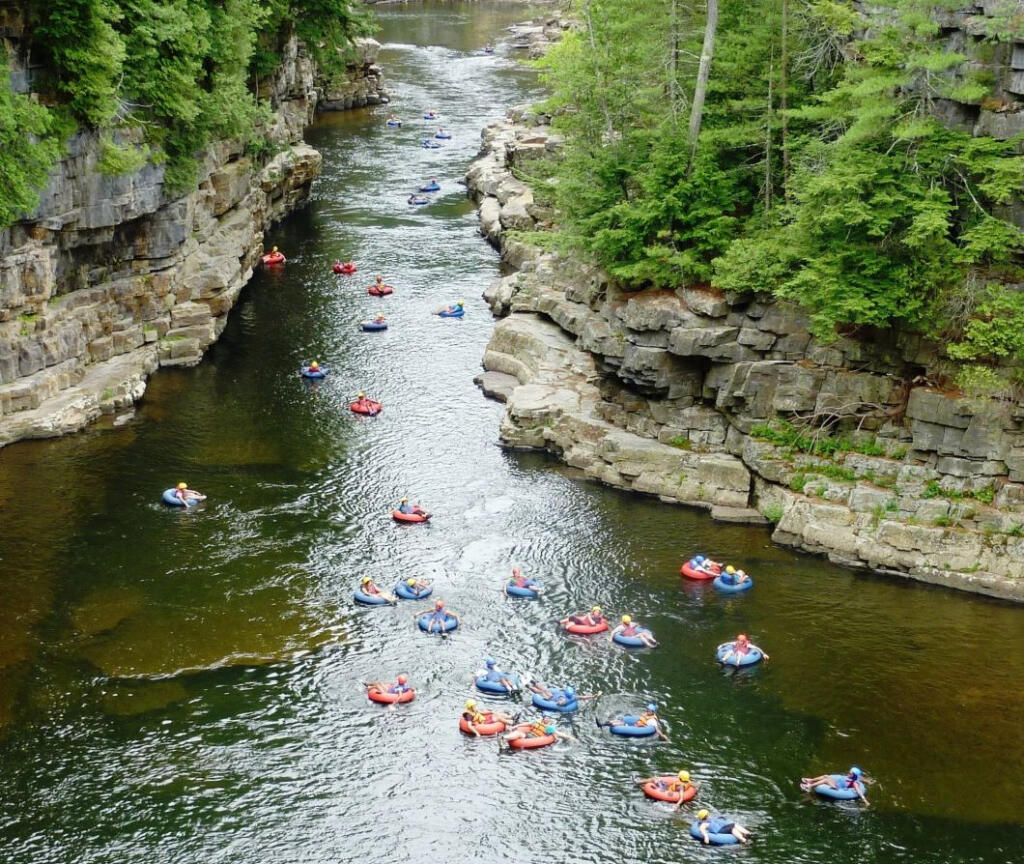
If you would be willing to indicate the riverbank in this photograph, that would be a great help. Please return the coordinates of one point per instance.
(698, 397)
(111, 279)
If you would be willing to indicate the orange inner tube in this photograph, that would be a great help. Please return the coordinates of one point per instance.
(530, 743)
(586, 629)
(491, 727)
(658, 793)
(687, 571)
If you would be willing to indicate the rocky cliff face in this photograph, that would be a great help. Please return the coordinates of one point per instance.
(682, 395)
(111, 278)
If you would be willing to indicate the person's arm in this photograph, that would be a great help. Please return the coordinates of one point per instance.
(860, 790)
(703, 828)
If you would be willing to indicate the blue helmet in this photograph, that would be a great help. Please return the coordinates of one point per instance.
(550, 730)
(570, 692)
(855, 771)
(490, 661)
(652, 706)
(699, 559)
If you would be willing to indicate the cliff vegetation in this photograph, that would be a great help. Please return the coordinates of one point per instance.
(861, 158)
(161, 78)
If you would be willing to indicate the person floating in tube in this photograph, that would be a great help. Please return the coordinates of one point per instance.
(593, 618)
(648, 718)
(474, 717)
(437, 617)
(561, 696)
(732, 576)
(411, 509)
(188, 497)
(494, 673)
(370, 588)
(521, 581)
(629, 628)
(678, 785)
(741, 647)
(854, 780)
(539, 728)
(394, 688)
(705, 826)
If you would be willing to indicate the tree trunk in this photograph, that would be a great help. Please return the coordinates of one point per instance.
(783, 88)
(703, 73)
(609, 128)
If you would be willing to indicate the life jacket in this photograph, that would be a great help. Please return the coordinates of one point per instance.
(740, 647)
(370, 588)
(645, 719)
(398, 688)
(538, 729)
(629, 630)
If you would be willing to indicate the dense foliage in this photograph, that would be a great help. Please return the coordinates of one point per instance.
(185, 71)
(822, 172)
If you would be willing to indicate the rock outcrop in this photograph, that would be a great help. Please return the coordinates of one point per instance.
(112, 278)
(715, 401)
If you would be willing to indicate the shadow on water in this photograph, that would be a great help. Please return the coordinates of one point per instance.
(184, 686)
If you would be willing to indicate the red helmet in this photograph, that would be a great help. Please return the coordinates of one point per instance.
(439, 604)
(402, 679)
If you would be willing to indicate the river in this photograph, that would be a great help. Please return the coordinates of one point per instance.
(184, 686)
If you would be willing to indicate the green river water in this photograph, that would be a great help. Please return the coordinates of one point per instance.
(184, 686)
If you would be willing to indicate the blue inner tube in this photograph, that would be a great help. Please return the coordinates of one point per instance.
(722, 585)
(407, 593)
(430, 187)
(715, 834)
(369, 599)
(517, 591)
(631, 641)
(752, 656)
(431, 116)
(840, 794)
(306, 372)
(170, 498)
(631, 730)
(444, 136)
(428, 626)
(394, 122)
(458, 313)
(552, 705)
(495, 686)
(418, 202)
(430, 145)
(373, 326)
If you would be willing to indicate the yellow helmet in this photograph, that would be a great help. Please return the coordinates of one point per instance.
(471, 704)
(684, 776)
(183, 485)
(702, 814)
(596, 610)
(411, 583)
(730, 570)
(366, 579)
(405, 500)
(361, 394)
(626, 619)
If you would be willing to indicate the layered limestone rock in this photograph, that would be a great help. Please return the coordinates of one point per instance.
(112, 278)
(679, 394)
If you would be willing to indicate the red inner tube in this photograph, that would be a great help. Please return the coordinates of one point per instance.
(586, 629)
(399, 516)
(368, 407)
(390, 698)
(345, 269)
(492, 727)
(690, 573)
(653, 790)
(273, 258)
(530, 743)
(382, 291)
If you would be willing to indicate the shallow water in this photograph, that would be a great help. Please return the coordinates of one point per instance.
(185, 686)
